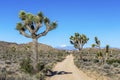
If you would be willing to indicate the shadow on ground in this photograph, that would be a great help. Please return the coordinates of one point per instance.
(53, 73)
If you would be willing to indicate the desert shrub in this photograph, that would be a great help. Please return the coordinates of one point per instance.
(43, 70)
(26, 65)
(44, 67)
(111, 61)
(59, 59)
(95, 60)
(115, 64)
(11, 78)
(47, 68)
(40, 76)
(106, 66)
(40, 66)
(99, 54)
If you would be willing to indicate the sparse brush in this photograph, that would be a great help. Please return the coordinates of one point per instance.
(106, 66)
(115, 64)
(107, 48)
(26, 66)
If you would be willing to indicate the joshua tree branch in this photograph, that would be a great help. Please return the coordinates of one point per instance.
(28, 27)
(45, 32)
(25, 34)
(38, 25)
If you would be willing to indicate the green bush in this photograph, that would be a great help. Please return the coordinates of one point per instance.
(111, 61)
(26, 66)
(40, 76)
(40, 66)
(115, 64)
(106, 66)
(99, 54)
(95, 60)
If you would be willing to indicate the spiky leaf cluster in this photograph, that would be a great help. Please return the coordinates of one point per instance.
(29, 18)
(53, 26)
(22, 15)
(107, 48)
(78, 40)
(97, 43)
(32, 23)
(20, 26)
(93, 45)
(46, 20)
(99, 54)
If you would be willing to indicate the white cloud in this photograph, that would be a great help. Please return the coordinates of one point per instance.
(63, 45)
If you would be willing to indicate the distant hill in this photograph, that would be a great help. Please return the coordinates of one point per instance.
(41, 47)
(66, 48)
(3, 44)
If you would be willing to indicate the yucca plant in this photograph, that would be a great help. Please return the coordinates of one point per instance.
(99, 53)
(79, 40)
(97, 43)
(106, 52)
(29, 28)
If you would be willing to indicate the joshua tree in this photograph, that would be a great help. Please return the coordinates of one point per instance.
(97, 43)
(29, 28)
(106, 52)
(99, 53)
(79, 41)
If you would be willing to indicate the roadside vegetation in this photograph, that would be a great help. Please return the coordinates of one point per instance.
(15, 62)
(99, 62)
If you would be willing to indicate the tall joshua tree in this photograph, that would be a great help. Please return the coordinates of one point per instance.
(99, 53)
(29, 28)
(78, 40)
(97, 43)
(106, 52)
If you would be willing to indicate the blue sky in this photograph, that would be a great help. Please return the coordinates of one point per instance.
(99, 18)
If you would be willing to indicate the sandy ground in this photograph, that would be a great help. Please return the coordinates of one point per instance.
(66, 70)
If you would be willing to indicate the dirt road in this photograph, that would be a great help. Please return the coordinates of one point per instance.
(67, 70)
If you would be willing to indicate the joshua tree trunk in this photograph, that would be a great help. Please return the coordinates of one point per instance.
(35, 54)
(80, 51)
